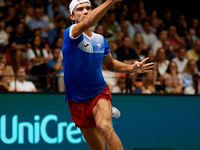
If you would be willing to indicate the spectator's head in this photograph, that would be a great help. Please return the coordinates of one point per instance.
(121, 83)
(3, 59)
(160, 55)
(181, 19)
(12, 11)
(146, 25)
(61, 21)
(112, 17)
(20, 28)
(138, 39)
(30, 11)
(195, 23)
(58, 41)
(37, 12)
(196, 46)
(1, 72)
(149, 53)
(20, 73)
(56, 15)
(2, 24)
(8, 3)
(181, 53)
(61, 32)
(135, 17)
(99, 29)
(172, 67)
(56, 53)
(36, 43)
(55, 7)
(172, 30)
(124, 27)
(167, 45)
(36, 32)
(126, 41)
(163, 35)
(191, 67)
(112, 46)
(167, 13)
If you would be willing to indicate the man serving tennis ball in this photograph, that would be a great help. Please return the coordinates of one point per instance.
(88, 95)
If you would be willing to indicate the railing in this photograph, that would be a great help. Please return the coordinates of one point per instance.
(52, 83)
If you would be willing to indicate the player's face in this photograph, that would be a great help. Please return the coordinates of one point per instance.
(80, 12)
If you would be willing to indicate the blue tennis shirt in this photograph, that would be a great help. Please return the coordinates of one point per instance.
(82, 64)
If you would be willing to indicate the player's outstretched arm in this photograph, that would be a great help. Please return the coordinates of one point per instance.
(117, 66)
(93, 17)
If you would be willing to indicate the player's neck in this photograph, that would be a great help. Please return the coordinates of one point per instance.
(88, 32)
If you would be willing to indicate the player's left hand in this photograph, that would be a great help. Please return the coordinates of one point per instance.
(142, 66)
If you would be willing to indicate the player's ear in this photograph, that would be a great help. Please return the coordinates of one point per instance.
(72, 17)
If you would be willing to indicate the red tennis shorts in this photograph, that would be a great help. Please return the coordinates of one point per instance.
(81, 112)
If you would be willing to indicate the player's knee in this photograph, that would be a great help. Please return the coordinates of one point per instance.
(105, 128)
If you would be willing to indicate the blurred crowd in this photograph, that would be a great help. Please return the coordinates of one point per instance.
(31, 37)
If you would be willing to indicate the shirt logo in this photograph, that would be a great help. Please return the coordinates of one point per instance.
(86, 45)
(99, 46)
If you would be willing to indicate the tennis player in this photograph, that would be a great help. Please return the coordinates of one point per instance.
(87, 93)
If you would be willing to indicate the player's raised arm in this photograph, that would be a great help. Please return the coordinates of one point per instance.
(84, 17)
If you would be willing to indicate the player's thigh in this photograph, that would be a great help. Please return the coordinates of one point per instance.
(93, 138)
(102, 112)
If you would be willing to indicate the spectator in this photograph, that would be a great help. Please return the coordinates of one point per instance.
(38, 58)
(182, 27)
(110, 26)
(176, 40)
(20, 84)
(2, 87)
(54, 19)
(170, 54)
(192, 89)
(29, 15)
(173, 80)
(44, 16)
(55, 68)
(167, 20)
(136, 23)
(149, 83)
(113, 48)
(163, 35)
(194, 53)
(148, 36)
(8, 72)
(61, 8)
(181, 59)
(189, 71)
(99, 29)
(138, 45)
(60, 24)
(195, 26)
(3, 37)
(120, 87)
(18, 44)
(10, 17)
(126, 26)
(58, 41)
(38, 22)
(118, 39)
(125, 53)
(161, 61)
(135, 85)
(149, 53)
